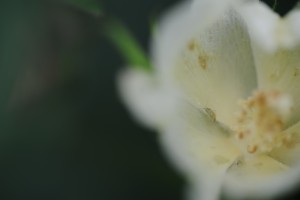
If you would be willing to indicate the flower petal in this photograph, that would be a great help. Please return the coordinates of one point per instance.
(179, 24)
(150, 104)
(200, 147)
(289, 154)
(259, 176)
(262, 23)
(267, 29)
(291, 27)
(280, 71)
(215, 68)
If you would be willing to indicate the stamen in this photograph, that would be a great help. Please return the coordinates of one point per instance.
(252, 148)
(241, 135)
(261, 120)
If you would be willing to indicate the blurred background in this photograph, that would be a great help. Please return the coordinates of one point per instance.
(64, 133)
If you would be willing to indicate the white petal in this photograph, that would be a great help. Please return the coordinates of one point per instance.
(280, 71)
(204, 8)
(200, 148)
(262, 23)
(291, 29)
(150, 104)
(215, 68)
(179, 24)
(268, 30)
(259, 176)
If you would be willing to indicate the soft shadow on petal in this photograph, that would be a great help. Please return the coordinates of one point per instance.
(262, 23)
(199, 147)
(268, 30)
(280, 71)
(149, 103)
(259, 176)
(216, 68)
(290, 37)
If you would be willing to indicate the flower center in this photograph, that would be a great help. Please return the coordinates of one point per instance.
(260, 122)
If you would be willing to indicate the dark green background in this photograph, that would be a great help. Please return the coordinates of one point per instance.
(64, 134)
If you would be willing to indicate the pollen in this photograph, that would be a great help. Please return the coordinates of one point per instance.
(211, 114)
(260, 122)
(252, 148)
(202, 59)
(192, 45)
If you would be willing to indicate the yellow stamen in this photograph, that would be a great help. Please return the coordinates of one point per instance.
(261, 120)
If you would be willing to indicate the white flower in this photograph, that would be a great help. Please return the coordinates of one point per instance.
(225, 96)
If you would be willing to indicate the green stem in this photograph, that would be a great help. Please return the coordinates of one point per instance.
(127, 45)
(275, 4)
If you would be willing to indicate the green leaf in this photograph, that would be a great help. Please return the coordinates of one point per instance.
(90, 6)
(127, 45)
